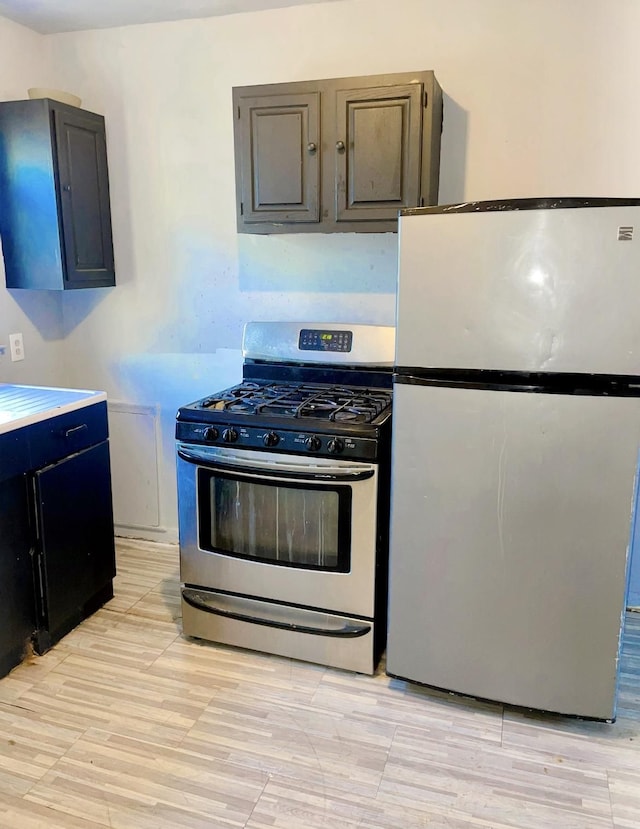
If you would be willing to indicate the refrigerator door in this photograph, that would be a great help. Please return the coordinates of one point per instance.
(551, 290)
(509, 536)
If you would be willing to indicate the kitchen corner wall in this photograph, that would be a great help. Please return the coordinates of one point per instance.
(540, 99)
(25, 61)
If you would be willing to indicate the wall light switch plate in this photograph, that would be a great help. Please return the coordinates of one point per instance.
(17, 347)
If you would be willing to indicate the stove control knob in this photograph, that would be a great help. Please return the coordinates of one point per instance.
(335, 446)
(230, 435)
(211, 433)
(313, 443)
(271, 439)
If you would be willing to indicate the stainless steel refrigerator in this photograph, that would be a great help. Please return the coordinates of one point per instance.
(516, 430)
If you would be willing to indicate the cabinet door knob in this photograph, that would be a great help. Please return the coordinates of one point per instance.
(66, 188)
(311, 147)
(340, 146)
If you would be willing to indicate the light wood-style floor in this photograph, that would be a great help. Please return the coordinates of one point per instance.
(126, 724)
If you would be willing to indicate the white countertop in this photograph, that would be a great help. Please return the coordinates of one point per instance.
(23, 405)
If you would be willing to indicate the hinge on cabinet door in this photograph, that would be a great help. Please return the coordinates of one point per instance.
(241, 209)
(33, 496)
(41, 586)
(426, 98)
(422, 202)
(238, 113)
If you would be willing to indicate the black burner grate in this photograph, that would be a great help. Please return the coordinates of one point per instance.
(346, 404)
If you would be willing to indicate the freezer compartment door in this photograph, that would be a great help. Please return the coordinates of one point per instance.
(509, 542)
(521, 290)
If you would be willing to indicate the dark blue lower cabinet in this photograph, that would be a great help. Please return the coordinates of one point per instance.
(57, 551)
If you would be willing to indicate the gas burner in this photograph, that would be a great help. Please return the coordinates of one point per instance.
(348, 404)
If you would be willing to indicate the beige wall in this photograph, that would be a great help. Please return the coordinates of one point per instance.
(540, 99)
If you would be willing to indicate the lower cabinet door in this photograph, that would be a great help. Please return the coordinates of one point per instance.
(17, 605)
(76, 553)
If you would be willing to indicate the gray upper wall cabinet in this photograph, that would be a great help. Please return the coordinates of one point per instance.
(338, 155)
(55, 218)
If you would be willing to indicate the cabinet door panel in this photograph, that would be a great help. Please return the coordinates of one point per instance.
(84, 198)
(278, 140)
(377, 153)
(75, 523)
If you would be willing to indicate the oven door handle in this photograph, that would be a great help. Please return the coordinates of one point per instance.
(208, 603)
(332, 474)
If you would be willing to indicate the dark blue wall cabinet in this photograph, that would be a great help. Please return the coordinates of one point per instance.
(55, 219)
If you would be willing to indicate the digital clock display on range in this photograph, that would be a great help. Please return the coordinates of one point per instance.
(315, 339)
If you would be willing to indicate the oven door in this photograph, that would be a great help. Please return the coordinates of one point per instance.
(285, 528)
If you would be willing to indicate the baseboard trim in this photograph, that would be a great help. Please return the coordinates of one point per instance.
(166, 535)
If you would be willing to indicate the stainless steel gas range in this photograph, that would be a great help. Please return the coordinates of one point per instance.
(283, 496)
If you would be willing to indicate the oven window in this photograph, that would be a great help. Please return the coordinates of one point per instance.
(291, 524)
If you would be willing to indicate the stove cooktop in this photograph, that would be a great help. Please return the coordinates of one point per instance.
(288, 416)
(335, 403)
(316, 389)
